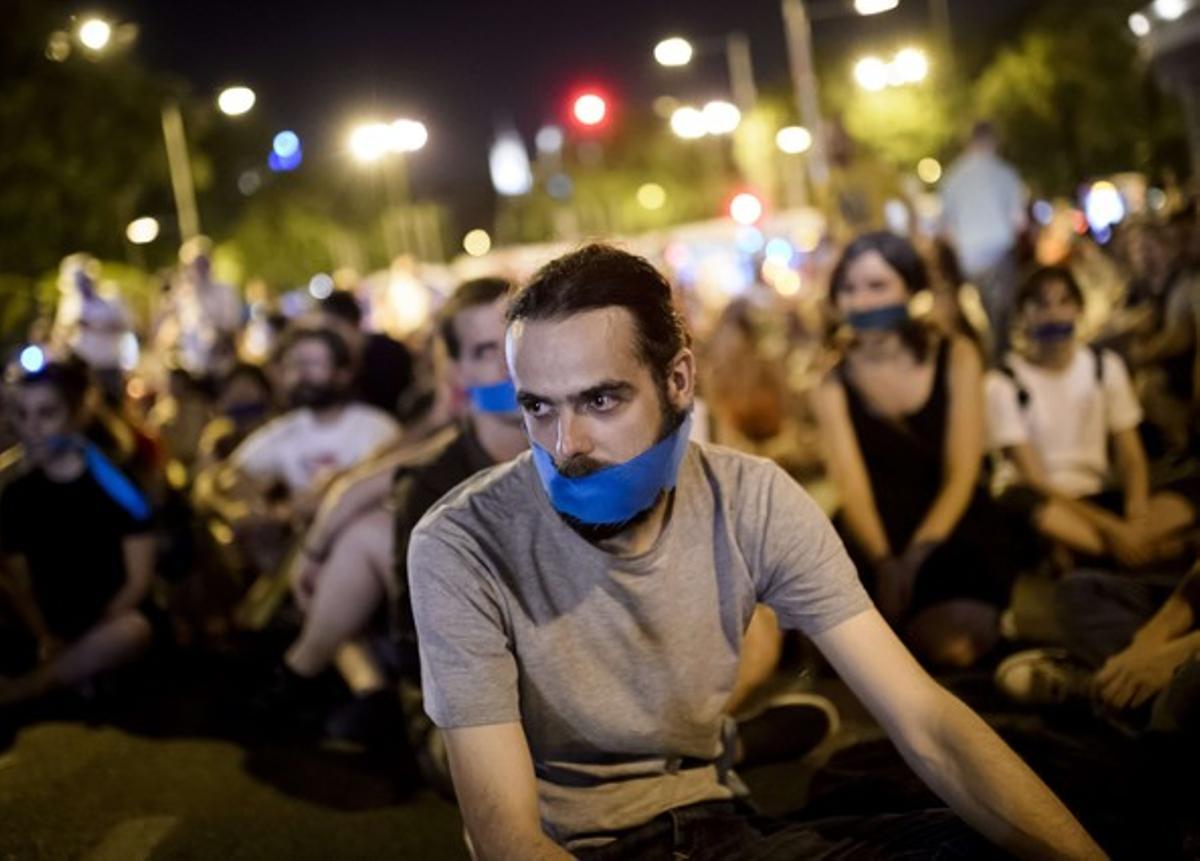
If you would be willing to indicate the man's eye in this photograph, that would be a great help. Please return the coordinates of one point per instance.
(537, 409)
(601, 403)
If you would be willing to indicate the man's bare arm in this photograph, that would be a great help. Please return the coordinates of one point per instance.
(957, 755)
(497, 793)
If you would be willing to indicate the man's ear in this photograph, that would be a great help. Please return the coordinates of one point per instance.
(681, 379)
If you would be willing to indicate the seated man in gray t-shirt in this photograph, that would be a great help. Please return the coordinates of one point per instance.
(581, 611)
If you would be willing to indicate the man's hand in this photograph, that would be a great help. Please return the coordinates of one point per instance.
(897, 576)
(1128, 543)
(1132, 677)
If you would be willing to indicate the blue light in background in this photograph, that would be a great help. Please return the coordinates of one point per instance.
(33, 359)
(282, 164)
(780, 249)
(749, 240)
(286, 144)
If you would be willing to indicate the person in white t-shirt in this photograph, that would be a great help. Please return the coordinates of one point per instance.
(273, 482)
(1054, 411)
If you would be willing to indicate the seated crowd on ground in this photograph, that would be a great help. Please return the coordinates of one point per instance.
(1059, 458)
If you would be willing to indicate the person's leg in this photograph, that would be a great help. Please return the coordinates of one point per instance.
(955, 633)
(353, 583)
(761, 649)
(109, 644)
(1100, 612)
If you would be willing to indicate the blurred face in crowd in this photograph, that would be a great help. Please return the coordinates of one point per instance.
(870, 283)
(480, 330)
(244, 400)
(1052, 304)
(588, 397)
(310, 376)
(42, 419)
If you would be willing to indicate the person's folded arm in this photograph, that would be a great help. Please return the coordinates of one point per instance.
(957, 755)
(497, 793)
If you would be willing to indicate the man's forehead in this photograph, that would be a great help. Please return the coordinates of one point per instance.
(573, 353)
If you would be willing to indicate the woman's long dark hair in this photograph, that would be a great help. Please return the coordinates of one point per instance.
(901, 256)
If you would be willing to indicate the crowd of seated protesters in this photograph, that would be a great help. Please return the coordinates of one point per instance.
(951, 480)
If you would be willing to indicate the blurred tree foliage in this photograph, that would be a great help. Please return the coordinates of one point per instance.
(1072, 99)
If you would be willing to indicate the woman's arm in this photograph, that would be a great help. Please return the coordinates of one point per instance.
(963, 452)
(847, 469)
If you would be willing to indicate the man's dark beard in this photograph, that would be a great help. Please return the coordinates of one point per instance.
(581, 465)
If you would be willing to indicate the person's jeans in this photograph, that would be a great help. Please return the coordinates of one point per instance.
(1100, 612)
(729, 831)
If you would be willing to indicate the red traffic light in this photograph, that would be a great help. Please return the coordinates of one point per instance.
(590, 109)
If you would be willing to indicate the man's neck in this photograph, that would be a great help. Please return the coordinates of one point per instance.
(501, 438)
(65, 467)
(329, 414)
(1055, 357)
(641, 536)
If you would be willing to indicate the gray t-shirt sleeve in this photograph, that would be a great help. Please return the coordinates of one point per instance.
(468, 672)
(803, 572)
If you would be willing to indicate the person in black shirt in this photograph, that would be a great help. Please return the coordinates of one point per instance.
(76, 554)
(384, 365)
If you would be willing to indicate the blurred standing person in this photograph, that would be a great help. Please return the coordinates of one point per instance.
(983, 215)
(384, 367)
(902, 423)
(202, 315)
(866, 192)
(91, 324)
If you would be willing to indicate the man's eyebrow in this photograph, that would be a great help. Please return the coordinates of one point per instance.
(604, 387)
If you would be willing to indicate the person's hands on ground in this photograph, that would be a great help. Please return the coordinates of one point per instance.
(1132, 677)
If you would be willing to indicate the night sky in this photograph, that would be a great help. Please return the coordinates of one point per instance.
(467, 68)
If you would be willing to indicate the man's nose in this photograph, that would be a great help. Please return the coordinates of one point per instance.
(572, 436)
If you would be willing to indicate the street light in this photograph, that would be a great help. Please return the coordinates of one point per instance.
(720, 118)
(235, 101)
(1170, 10)
(912, 65)
(95, 33)
(793, 140)
(589, 109)
(909, 66)
(745, 208)
(871, 73)
(874, 7)
(477, 242)
(142, 231)
(371, 141)
(688, 123)
(651, 196)
(1139, 24)
(674, 51)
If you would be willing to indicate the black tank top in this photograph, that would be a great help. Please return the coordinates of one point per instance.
(904, 456)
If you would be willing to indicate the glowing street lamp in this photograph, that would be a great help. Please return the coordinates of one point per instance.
(745, 208)
(95, 33)
(651, 196)
(911, 65)
(142, 231)
(871, 73)
(688, 123)
(1170, 10)
(720, 118)
(477, 242)
(235, 101)
(1139, 24)
(675, 51)
(874, 7)
(793, 140)
(370, 141)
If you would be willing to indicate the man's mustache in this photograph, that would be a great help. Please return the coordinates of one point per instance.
(580, 465)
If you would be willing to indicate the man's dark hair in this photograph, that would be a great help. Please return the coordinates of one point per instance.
(253, 373)
(983, 131)
(332, 340)
(1034, 285)
(478, 291)
(342, 305)
(600, 276)
(70, 378)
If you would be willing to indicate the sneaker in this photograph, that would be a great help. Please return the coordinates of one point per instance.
(789, 726)
(1043, 677)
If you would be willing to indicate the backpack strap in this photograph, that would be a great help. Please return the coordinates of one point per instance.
(1022, 392)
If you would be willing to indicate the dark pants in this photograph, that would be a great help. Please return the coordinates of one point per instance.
(728, 831)
(1100, 612)
(997, 287)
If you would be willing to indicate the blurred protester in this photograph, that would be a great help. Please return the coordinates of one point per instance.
(1133, 651)
(179, 417)
(77, 554)
(354, 556)
(983, 216)
(385, 367)
(956, 307)
(902, 424)
(1165, 351)
(244, 404)
(272, 483)
(201, 317)
(866, 193)
(1054, 410)
(581, 614)
(91, 323)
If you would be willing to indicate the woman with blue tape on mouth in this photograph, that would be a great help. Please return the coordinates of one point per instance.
(75, 542)
(902, 423)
